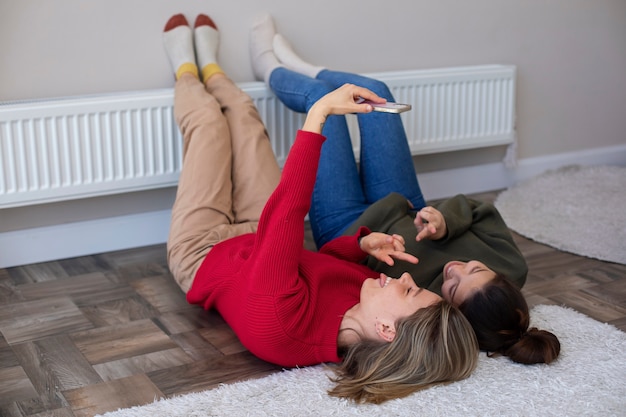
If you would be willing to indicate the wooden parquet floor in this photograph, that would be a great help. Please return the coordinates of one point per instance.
(93, 334)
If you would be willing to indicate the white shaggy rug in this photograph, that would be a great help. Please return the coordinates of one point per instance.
(588, 379)
(576, 209)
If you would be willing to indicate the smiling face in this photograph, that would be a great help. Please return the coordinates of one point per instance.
(385, 300)
(462, 279)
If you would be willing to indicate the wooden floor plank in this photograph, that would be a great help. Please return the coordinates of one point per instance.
(16, 385)
(120, 341)
(613, 292)
(10, 409)
(162, 293)
(218, 333)
(209, 373)
(194, 345)
(33, 320)
(129, 307)
(182, 321)
(550, 287)
(74, 287)
(41, 272)
(589, 305)
(7, 357)
(54, 364)
(112, 395)
(142, 364)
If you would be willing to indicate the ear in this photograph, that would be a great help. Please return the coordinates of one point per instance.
(387, 332)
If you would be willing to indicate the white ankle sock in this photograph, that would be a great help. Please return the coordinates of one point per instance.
(179, 47)
(261, 50)
(207, 42)
(287, 56)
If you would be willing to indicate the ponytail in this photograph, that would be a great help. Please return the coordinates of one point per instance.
(535, 346)
(499, 315)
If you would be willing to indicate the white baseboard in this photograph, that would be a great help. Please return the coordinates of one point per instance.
(495, 176)
(41, 244)
(28, 246)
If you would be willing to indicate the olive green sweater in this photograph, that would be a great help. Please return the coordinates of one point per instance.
(476, 231)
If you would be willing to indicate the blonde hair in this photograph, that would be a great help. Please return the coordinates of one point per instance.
(434, 345)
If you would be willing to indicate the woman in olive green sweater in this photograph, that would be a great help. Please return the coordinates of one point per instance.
(474, 230)
(466, 252)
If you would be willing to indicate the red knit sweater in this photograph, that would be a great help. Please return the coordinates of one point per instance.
(285, 303)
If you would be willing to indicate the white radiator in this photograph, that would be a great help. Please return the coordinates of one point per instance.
(62, 149)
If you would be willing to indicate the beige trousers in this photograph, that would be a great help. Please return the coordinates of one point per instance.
(229, 171)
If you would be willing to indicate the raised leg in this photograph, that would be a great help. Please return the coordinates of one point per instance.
(386, 164)
(255, 172)
(338, 198)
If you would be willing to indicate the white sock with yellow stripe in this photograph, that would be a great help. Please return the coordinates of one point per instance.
(178, 41)
(206, 38)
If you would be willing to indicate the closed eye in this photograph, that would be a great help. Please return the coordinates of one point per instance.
(477, 269)
(453, 292)
(418, 290)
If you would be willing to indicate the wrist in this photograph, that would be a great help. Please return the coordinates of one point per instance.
(315, 120)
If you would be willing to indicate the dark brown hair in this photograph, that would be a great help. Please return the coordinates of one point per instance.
(499, 315)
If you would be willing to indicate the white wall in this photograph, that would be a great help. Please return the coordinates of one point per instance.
(570, 54)
(570, 57)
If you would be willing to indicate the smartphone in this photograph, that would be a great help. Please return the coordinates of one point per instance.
(387, 107)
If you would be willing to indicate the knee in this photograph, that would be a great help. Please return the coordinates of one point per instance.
(321, 89)
(379, 88)
(205, 115)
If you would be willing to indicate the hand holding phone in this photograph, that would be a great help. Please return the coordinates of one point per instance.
(388, 107)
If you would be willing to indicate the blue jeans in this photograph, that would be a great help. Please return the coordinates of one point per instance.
(343, 189)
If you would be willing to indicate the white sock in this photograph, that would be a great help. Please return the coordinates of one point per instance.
(207, 40)
(179, 47)
(287, 56)
(261, 50)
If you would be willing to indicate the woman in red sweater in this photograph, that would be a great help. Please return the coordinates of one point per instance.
(236, 244)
